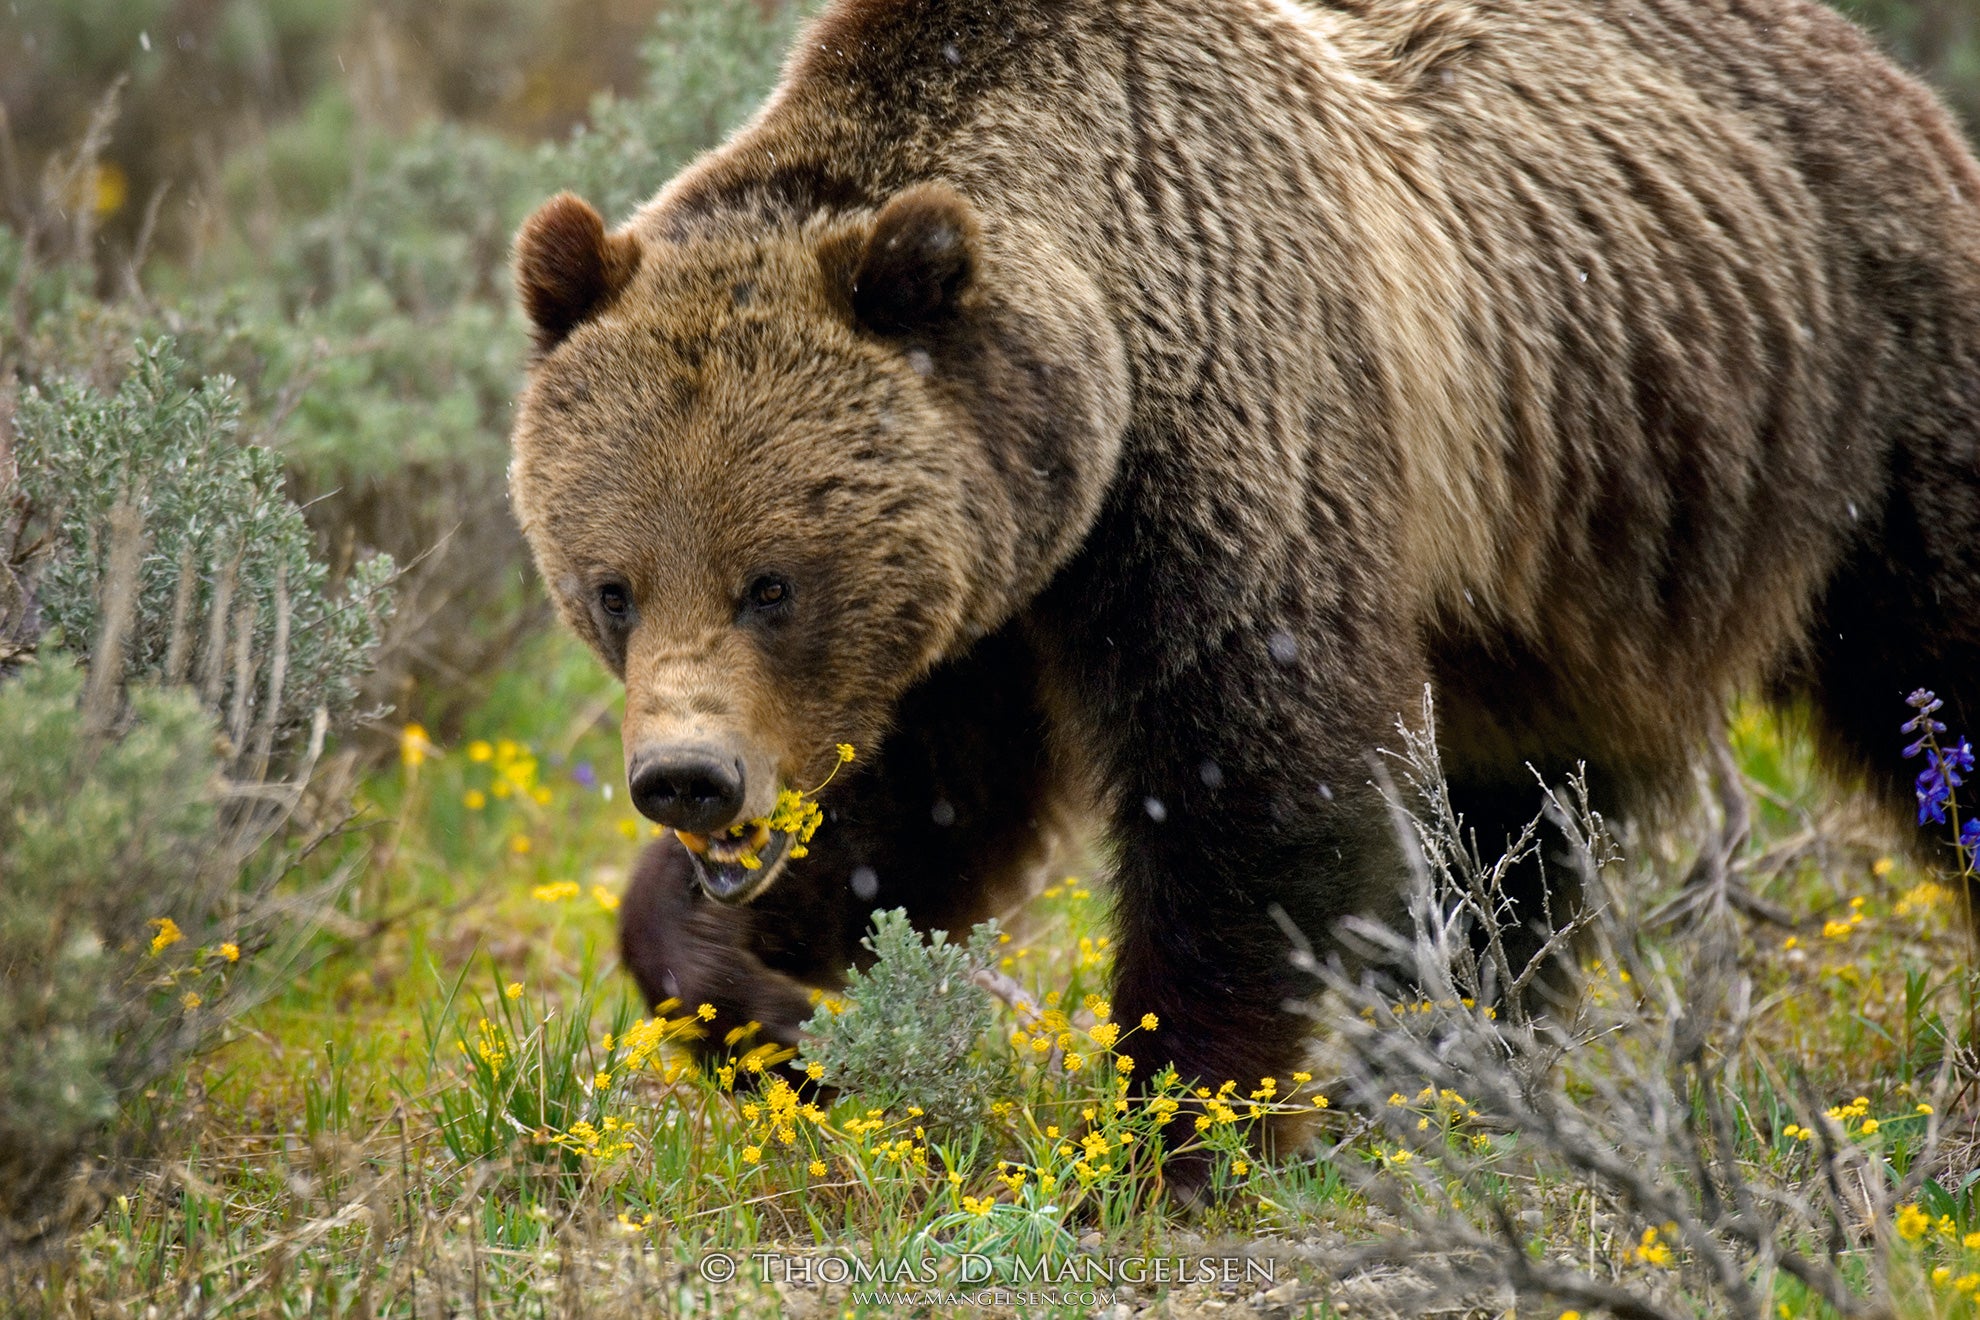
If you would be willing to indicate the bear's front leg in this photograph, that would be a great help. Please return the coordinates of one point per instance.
(951, 819)
(681, 945)
(1214, 871)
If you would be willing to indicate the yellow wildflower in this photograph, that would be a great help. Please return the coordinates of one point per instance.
(479, 750)
(1149, 1022)
(518, 774)
(605, 898)
(513, 989)
(190, 1000)
(1922, 897)
(603, 1142)
(556, 891)
(168, 934)
(488, 1045)
(1651, 1250)
(415, 746)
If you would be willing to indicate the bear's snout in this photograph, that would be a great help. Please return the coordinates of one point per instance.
(687, 786)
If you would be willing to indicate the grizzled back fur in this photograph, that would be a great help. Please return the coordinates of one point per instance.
(1602, 326)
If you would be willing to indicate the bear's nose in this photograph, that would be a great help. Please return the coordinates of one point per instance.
(690, 788)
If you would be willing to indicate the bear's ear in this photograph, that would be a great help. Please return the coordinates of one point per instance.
(568, 267)
(918, 261)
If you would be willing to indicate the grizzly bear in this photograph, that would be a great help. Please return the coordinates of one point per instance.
(1132, 406)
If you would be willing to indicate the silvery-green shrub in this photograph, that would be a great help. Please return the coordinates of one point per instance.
(906, 1029)
(228, 596)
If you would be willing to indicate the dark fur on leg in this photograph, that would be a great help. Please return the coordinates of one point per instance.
(681, 945)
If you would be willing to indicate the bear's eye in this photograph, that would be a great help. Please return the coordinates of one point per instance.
(613, 600)
(769, 591)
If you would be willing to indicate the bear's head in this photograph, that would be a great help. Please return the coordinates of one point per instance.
(774, 472)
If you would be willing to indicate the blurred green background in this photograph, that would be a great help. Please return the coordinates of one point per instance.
(315, 198)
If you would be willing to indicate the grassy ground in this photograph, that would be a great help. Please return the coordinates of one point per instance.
(459, 1108)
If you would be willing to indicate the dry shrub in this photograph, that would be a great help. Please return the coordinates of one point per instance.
(1625, 1105)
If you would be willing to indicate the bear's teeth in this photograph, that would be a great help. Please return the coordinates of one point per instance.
(727, 849)
(734, 880)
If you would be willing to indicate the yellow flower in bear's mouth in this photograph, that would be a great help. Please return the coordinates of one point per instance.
(795, 814)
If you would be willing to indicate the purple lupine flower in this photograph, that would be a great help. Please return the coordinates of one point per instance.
(1922, 723)
(1943, 766)
(587, 777)
(1941, 775)
(1945, 769)
(1932, 793)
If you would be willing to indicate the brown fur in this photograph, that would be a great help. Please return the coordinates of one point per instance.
(1236, 368)
(567, 268)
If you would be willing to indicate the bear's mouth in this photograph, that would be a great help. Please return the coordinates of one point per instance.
(722, 861)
